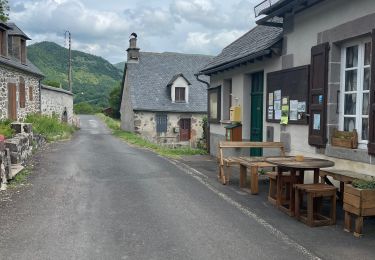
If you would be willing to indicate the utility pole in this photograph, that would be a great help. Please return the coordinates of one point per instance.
(70, 60)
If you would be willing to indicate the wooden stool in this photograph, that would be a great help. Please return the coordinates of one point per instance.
(315, 193)
(285, 183)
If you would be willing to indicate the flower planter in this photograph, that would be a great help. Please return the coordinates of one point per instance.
(345, 139)
(358, 203)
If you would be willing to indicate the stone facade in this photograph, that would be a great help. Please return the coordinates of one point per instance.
(57, 101)
(32, 104)
(145, 124)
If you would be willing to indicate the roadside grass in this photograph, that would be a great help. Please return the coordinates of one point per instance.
(50, 127)
(137, 140)
(20, 178)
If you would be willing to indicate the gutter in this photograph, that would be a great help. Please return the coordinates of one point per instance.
(201, 80)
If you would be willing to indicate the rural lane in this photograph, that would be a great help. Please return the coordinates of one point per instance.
(95, 197)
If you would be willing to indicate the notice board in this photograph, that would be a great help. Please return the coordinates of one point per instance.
(288, 88)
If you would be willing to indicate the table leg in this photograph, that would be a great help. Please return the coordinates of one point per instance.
(254, 187)
(316, 175)
(243, 173)
(301, 176)
(279, 187)
(292, 191)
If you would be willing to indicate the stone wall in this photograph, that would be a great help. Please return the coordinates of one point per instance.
(57, 101)
(145, 124)
(32, 104)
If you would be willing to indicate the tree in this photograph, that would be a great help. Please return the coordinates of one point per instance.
(115, 101)
(4, 10)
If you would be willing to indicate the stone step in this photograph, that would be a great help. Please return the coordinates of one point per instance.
(16, 168)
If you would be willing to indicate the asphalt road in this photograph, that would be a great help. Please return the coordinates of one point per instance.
(95, 197)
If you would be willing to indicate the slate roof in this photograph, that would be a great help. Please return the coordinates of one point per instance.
(28, 67)
(149, 78)
(254, 43)
(14, 30)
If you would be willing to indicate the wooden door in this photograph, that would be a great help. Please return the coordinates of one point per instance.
(256, 120)
(12, 101)
(185, 129)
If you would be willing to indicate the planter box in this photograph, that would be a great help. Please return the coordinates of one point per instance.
(345, 139)
(360, 203)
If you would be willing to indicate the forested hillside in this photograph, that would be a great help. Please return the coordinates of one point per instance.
(93, 76)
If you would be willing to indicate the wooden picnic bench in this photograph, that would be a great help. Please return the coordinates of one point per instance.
(226, 162)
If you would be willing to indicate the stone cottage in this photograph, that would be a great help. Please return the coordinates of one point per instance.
(57, 101)
(162, 100)
(317, 58)
(20, 79)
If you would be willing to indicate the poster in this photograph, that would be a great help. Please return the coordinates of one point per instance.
(301, 107)
(285, 101)
(293, 115)
(270, 112)
(293, 105)
(277, 95)
(277, 105)
(270, 98)
(316, 125)
(277, 114)
(284, 115)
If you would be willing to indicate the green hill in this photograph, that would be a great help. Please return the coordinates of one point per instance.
(93, 76)
(120, 66)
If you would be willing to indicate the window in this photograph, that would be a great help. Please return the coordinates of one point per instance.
(179, 94)
(214, 104)
(31, 97)
(355, 86)
(161, 123)
(22, 93)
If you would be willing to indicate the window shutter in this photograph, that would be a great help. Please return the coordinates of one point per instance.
(31, 98)
(161, 123)
(318, 95)
(22, 95)
(371, 136)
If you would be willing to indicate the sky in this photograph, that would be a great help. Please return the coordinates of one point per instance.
(103, 27)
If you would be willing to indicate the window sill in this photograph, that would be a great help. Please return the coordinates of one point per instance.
(358, 155)
(226, 122)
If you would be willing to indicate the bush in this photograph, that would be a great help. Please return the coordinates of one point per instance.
(5, 128)
(86, 109)
(115, 101)
(362, 184)
(50, 126)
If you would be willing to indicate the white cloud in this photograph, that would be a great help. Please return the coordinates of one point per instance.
(103, 27)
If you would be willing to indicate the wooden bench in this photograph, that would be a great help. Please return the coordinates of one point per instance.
(233, 160)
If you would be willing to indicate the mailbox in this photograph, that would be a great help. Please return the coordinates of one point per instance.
(235, 114)
(233, 132)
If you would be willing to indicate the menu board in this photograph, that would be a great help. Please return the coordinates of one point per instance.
(287, 96)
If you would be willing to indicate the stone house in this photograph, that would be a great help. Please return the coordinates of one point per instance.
(20, 79)
(314, 56)
(57, 101)
(162, 100)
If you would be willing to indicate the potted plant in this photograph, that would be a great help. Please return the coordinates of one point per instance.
(359, 201)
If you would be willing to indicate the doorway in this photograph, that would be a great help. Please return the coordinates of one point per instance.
(185, 129)
(256, 120)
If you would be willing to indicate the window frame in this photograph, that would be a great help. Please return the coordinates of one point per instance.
(179, 100)
(210, 91)
(362, 144)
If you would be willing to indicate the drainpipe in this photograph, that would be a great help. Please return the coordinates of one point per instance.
(40, 96)
(208, 103)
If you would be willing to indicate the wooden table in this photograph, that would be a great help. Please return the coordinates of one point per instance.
(290, 164)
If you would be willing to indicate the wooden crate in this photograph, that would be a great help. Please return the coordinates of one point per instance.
(345, 139)
(358, 202)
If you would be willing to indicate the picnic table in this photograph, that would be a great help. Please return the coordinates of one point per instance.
(291, 164)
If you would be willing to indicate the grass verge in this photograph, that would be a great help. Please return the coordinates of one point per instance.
(20, 178)
(50, 127)
(137, 140)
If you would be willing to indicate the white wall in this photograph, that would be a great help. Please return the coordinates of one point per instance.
(56, 102)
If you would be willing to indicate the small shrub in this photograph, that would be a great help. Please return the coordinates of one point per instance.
(5, 128)
(362, 184)
(50, 127)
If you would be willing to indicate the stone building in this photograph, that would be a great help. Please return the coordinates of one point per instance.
(57, 101)
(162, 100)
(315, 55)
(20, 79)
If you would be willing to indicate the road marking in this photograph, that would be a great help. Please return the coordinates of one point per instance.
(274, 231)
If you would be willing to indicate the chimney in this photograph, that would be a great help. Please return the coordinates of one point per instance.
(133, 51)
